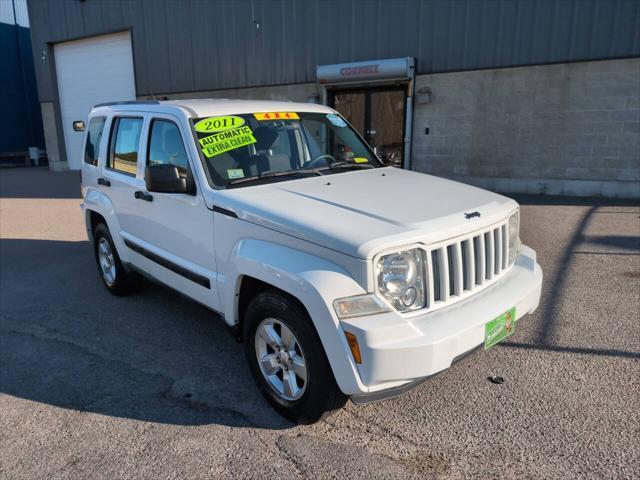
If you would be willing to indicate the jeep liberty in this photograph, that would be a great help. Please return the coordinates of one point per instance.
(276, 215)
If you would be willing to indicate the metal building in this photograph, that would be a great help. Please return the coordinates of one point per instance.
(20, 120)
(531, 96)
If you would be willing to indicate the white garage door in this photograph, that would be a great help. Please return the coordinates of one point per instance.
(90, 71)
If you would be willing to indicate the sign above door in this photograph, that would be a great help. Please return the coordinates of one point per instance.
(364, 72)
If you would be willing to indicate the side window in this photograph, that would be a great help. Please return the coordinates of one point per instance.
(125, 138)
(94, 135)
(165, 145)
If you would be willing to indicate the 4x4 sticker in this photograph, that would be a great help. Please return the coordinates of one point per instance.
(224, 141)
(218, 124)
(276, 116)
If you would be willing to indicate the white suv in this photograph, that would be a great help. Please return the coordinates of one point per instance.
(343, 277)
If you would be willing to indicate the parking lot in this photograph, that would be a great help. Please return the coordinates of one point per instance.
(153, 386)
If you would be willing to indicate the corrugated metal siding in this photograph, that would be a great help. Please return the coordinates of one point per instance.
(182, 46)
(7, 8)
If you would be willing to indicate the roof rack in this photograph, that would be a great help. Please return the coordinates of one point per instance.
(129, 102)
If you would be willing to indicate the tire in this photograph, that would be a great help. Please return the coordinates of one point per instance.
(117, 280)
(271, 312)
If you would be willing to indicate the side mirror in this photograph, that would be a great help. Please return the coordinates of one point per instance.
(78, 126)
(165, 178)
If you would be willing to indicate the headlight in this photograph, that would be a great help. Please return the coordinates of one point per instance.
(514, 236)
(400, 279)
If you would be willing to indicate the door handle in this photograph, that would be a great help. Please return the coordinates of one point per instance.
(104, 181)
(140, 195)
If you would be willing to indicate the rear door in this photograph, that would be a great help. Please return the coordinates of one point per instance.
(170, 235)
(121, 174)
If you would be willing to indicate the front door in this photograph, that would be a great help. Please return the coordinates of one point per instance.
(378, 114)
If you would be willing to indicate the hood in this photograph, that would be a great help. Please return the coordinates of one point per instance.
(361, 212)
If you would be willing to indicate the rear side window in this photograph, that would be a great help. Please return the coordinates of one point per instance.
(125, 138)
(94, 135)
(166, 146)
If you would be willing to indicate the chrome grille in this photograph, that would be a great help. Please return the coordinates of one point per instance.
(463, 266)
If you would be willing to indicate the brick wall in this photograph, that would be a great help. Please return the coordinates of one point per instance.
(569, 129)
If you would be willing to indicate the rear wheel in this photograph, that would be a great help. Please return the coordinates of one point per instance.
(287, 359)
(117, 280)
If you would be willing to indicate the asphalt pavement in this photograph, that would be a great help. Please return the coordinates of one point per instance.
(153, 386)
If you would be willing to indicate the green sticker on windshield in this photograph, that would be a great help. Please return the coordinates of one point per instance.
(225, 141)
(235, 173)
(218, 124)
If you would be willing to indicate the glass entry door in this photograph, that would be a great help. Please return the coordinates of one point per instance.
(378, 115)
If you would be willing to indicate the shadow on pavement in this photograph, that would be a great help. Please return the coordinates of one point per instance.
(558, 200)
(555, 286)
(38, 182)
(613, 241)
(607, 352)
(154, 356)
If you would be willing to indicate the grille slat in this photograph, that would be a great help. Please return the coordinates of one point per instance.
(443, 259)
(458, 269)
(452, 275)
(465, 265)
(505, 246)
(489, 255)
(497, 241)
(480, 262)
(430, 281)
(435, 271)
(469, 264)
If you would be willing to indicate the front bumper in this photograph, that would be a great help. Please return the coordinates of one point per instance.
(399, 353)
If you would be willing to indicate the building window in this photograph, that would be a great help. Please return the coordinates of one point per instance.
(125, 139)
(94, 136)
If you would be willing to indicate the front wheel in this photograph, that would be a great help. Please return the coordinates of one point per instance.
(287, 359)
(117, 280)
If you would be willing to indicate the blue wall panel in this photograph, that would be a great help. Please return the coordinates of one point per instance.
(20, 118)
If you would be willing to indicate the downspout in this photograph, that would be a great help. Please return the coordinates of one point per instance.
(409, 115)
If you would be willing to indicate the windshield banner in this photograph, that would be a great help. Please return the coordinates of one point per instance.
(219, 124)
(225, 141)
(276, 116)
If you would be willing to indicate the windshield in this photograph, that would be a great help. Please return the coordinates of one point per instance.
(247, 149)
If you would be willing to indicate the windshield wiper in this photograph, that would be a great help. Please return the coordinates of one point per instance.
(271, 174)
(343, 164)
(302, 172)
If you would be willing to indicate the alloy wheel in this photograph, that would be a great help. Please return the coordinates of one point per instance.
(107, 261)
(281, 359)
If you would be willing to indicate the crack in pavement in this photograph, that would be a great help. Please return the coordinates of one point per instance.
(324, 458)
